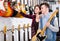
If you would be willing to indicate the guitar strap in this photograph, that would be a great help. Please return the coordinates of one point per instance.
(40, 24)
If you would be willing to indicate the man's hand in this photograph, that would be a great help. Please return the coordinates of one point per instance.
(48, 24)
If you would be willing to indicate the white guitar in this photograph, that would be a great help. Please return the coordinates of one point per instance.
(2, 5)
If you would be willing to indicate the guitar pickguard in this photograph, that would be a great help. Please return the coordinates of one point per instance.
(40, 37)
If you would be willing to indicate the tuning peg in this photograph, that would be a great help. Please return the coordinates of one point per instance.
(5, 30)
(18, 27)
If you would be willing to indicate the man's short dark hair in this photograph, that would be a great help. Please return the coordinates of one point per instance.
(46, 4)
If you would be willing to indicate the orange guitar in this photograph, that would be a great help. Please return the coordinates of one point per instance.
(2, 12)
(8, 9)
(2, 9)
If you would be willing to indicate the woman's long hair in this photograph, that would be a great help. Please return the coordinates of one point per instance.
(38, 7)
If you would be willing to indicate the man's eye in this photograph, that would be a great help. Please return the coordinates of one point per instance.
(42, 8)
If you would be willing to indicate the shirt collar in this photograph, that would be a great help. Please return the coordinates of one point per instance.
(46, 15)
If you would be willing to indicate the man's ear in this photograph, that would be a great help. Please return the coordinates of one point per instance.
(47, 9)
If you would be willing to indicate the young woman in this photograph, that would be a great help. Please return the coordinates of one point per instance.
(35, 19)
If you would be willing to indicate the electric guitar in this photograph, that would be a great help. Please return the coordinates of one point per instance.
(39, 36)
(22, 7)
(2, 12)
(2, 5)
(2, 9)
(8, 9)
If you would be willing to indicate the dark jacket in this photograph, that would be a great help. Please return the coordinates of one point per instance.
(34, 25)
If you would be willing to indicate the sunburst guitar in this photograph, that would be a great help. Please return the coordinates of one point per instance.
(8, 9)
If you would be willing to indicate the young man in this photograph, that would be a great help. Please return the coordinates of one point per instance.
(52, 27)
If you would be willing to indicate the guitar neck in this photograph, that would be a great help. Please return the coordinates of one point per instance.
(54, 13)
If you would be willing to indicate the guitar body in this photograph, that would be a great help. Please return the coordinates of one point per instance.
(2, 5)
(9, 11)
(2, 12)
(2, 9)
(38, 36)
(34, 38)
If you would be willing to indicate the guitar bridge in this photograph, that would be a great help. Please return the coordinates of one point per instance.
(40, 37)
